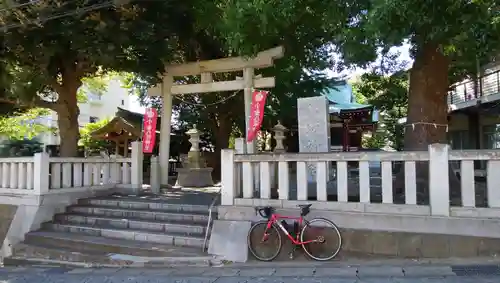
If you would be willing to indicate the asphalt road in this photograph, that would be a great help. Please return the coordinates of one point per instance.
(369, 274)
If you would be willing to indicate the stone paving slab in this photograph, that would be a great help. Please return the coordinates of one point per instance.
(486, 273)
(195, 279)
(422, 271)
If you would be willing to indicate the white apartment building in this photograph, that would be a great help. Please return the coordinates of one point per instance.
(96, 108)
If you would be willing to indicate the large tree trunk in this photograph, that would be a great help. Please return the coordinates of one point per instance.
(427, 107)
(67, 111)
(427, 112)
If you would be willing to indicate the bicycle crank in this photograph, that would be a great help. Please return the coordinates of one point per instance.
(320, 239)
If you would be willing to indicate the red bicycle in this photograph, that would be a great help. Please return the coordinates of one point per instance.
(319, 237)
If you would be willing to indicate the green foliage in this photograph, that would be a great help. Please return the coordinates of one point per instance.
(91, 145)
(96, 85)
(100, 38)
(376, 140)
(446, 36)
(386, 88)
(24, 125)
(50, 47)
(23, 147)
(463, 30)
(300, 73)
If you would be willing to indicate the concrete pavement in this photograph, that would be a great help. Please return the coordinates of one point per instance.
(320, 274)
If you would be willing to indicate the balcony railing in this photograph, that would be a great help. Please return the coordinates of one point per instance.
(488, 84)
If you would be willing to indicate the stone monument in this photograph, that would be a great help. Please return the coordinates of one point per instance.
(194, 172)
(314, 128)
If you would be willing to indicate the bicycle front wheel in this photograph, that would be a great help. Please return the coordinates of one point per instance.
(325, 236)
(264, 247)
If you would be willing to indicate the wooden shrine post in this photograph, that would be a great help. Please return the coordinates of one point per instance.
(205, 69)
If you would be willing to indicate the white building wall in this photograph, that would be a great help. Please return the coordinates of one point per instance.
(101, 107)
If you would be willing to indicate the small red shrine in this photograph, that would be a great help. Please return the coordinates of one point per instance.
(348, 120)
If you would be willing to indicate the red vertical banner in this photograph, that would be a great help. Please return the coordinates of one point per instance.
(256, 113)
(149, 130)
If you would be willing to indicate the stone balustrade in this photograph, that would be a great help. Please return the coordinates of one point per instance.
(377, 182)
(41, 174)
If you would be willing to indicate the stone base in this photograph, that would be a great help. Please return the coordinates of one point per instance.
(378, 244)
(228, 240)
(386, 233)
(194, 177)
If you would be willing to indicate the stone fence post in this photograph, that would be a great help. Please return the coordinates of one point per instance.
(227, 177)
(41, 167)
(154, 175)
(279, 136)
(240, 148)
(137, 163)
(439, 187)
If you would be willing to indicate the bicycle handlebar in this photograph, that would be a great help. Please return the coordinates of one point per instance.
(258, 210)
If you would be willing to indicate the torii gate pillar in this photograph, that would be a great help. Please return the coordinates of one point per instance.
(166, 121)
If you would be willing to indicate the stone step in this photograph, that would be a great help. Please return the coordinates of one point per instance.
(24, 254)
(170, 238)
(141, 214)
(147, 204)
(68, 247)
(131, 223)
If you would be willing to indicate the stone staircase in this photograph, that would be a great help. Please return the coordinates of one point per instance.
(120, 230)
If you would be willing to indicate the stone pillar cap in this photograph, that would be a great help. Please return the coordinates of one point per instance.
(279, 127)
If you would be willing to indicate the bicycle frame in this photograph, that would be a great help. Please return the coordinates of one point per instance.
(275, 220)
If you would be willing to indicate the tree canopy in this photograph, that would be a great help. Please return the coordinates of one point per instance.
(91, 145)
(50, 47)
(24, 125)
(385, 86)
(300, 73)
(448, 39)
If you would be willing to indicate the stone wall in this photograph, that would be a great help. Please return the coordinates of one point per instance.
(417, 245)
(396, 235)
(7, 213)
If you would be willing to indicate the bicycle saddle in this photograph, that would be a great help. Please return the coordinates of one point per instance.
(304, 209)
(304, 205)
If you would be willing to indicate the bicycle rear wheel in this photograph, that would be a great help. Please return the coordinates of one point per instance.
(264, 248)
(328, 239)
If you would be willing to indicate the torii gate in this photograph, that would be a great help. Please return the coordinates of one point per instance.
(205, 69)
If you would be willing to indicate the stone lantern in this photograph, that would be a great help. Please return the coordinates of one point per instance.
(194, 138)
(194, 172)
(279, 135)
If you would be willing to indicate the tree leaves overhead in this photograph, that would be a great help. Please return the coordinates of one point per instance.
(386, 88)
(24, 125)
(464, 30)
(245, 28)
(57, 44)
(129, 37)
(91, 145)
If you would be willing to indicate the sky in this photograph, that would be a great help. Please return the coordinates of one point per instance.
(349, 74)
(405, 55)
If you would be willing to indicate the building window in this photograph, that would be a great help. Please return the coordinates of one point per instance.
(491, 136)
(459, 139)
(123, 102)
(93, 119)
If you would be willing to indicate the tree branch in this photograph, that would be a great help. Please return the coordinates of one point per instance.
(36, 102)
(55, 86)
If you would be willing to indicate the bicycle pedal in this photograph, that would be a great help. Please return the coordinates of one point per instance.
(292, 256)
